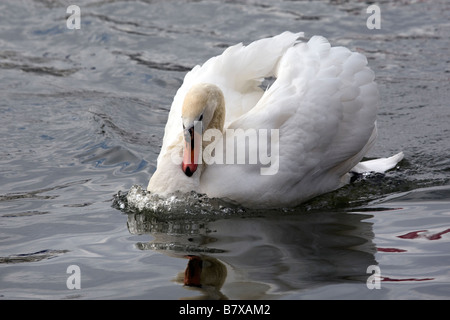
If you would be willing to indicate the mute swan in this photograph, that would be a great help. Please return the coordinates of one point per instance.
(305, 132)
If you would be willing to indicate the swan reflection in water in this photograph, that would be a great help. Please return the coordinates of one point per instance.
(262, 257)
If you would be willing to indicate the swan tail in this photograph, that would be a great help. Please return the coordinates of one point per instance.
(378, 165)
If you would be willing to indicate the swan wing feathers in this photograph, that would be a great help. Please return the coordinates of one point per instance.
(324, 103)
(238, 71)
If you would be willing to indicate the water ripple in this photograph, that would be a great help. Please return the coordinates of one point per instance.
(32, 257)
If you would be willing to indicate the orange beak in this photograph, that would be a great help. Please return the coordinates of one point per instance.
(191, 151)
(192, 274)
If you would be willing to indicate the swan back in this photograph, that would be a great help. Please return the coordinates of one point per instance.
(324, 103)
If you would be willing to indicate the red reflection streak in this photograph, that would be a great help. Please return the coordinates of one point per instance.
(410, 279)
(412, 235)
(390, 250)
(415, 235)
(438, 235)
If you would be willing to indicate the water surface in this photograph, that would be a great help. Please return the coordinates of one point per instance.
(82, 116)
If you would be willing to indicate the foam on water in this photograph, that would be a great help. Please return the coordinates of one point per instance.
(177, 204)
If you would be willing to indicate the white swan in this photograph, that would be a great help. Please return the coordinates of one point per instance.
(321, 108)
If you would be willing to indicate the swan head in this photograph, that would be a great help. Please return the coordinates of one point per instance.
(203, 108)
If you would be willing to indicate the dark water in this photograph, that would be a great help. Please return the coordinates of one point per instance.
(82, 114)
